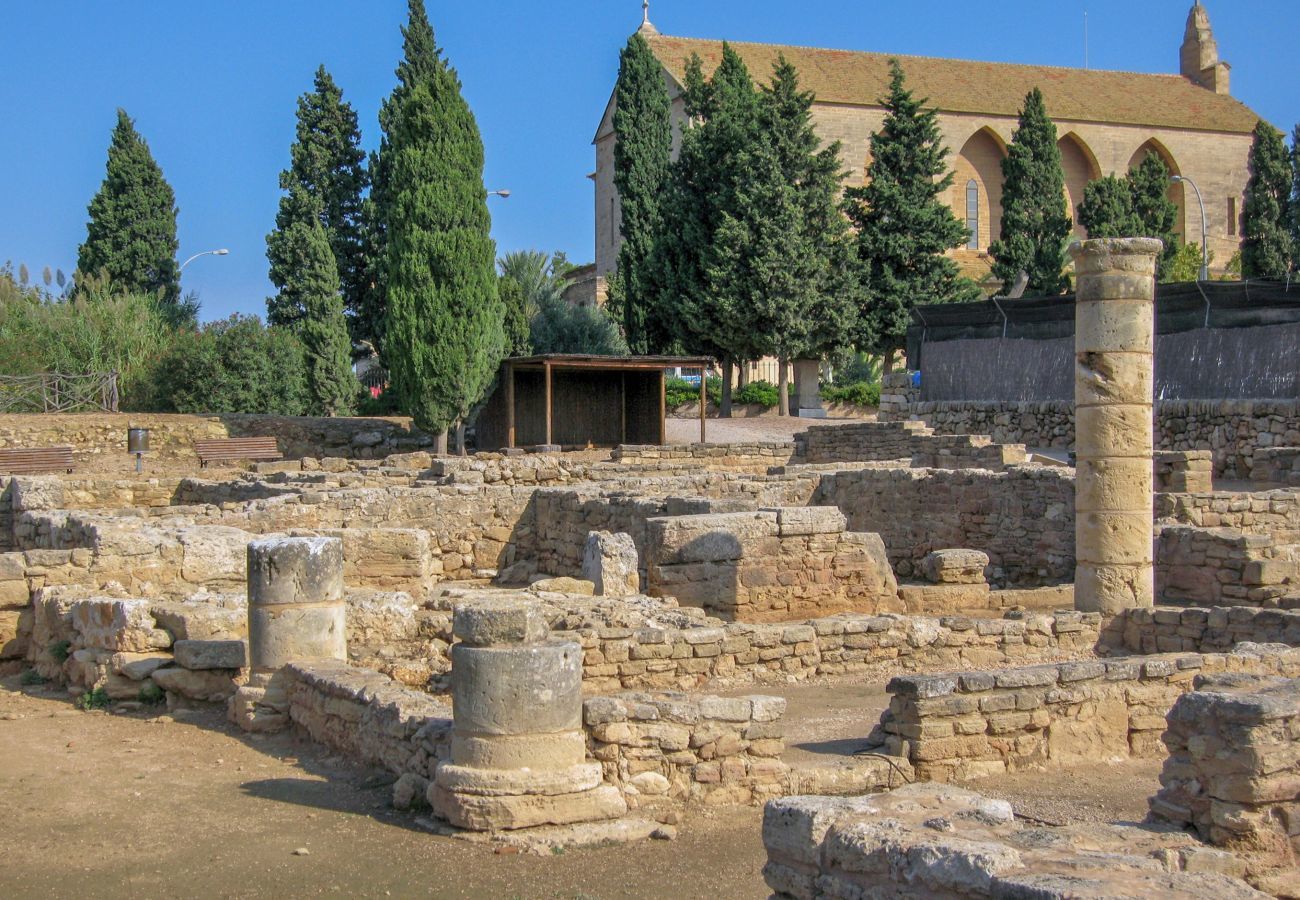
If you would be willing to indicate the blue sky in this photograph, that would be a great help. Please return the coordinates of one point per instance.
(213, 86)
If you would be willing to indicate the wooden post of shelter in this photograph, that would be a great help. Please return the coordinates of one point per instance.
(546, 368)
(510, 405)
(663, 407)
(704, 402)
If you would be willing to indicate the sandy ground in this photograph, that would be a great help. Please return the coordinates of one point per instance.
(142, 805)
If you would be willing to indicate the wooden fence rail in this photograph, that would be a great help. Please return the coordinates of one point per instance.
(56, 393)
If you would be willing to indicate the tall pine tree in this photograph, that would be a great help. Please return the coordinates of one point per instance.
(1157, 214)
(131, 235)
(1295, 199)
(904, 226)
(324, 332)
(642, 151)
(1034, 221)
(1266, 216)
(444, 335)
(325, 182)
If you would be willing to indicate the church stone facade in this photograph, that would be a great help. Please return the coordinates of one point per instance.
(1107, 123)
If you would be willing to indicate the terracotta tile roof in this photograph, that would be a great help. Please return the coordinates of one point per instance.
(958, 85)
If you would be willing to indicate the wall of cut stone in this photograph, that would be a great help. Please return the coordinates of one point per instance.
(1276, 465)
(974, 724)
(171, 437)
(758, 456)
(1232, 429)
(690, 748)
(1225, 567)
(1274, 513)
(769, 566)
(640, 659)
(1022, 518)
(1213, 630)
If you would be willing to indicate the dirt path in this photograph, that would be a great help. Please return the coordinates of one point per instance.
(100, 805)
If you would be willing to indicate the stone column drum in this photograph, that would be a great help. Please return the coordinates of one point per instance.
(1114, 398)
(518, 752)
(296, 610)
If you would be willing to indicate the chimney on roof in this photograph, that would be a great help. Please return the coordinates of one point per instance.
(1199, 60)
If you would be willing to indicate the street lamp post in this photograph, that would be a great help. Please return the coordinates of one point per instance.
(504, 195)
(222, 252)
(1205, 242)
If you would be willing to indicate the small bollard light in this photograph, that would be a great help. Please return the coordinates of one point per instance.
(137, 442)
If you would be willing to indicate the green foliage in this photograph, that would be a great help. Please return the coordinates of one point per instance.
(858, 393)
(324, 183)
(131, 235)
(32, 678)
(152, 695)
(560, 327)
(443, 336)
(1034, 224)
(96, 699)
(1157, 214)
(386, 404)
(643, 125)
(1267, 248)
(101, 330)
(235, 365)
(322, 328)
(758, 393)
(904, 224)
(1295, 198)
(518, 340)
(1107, 209)
(60, 651)
(1185, 265)
(679, 392)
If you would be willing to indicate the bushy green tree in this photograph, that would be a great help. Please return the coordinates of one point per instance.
(235, 365)
(323, 329)
(444, 337)
(1107, 209)
(904, 226)
(324, 183)
(1157, 215)
(559, 327)
(1266, 249)
(131, 235)
(514, 301)
(1034, 222)
(642, 151)
(1295, 198)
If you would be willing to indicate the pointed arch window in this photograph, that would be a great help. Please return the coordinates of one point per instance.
(973, 214)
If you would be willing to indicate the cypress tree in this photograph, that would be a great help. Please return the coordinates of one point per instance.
(443, 337)
(1295, 199)
(642, 151)
(515, 303)
(904, 227)
(322, 328)
(1034, 222)
(1267, 246)
(1107, 209)
(325, 182)
(131, 235)
(1157, 215)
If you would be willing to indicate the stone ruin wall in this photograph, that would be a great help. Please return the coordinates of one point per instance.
(1200, 630)
(1233, 429)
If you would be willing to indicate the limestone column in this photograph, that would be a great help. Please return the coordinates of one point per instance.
(518, 752)
(1114, 402)
(296, 611)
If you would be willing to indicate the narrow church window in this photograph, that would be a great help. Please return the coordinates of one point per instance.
(1232, 216)
(613, 222)
(973, 214)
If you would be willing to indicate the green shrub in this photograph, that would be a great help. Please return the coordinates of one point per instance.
(60, 651)
(151, 694)
(859, 393)
(32, 677)
(757, 393)
(96, 699)
(236, 365)
(679, 392)
(386, 404)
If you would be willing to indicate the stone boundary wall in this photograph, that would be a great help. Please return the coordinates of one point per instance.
(1214, 630)
(690, 748)
(1232, 429)
(1225, 567)
(626, 659)
(1023, 518)
(974, 724)
(171, 437)
(773, 565)
(749, 455)
(1274, 513)
(1276, 465)
(1184, 471)
(859, 442)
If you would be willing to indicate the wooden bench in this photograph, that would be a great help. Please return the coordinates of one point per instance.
(228, 449)
(35, 461)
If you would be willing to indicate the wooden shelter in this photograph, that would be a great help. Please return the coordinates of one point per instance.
(582, 401)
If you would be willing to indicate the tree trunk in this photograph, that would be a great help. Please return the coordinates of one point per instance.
(887, 367)
(724, 410)
(440, 443)
(783, 400)
(460, 438)
(742, 376)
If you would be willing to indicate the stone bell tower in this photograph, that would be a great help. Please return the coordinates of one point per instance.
(1199, 61)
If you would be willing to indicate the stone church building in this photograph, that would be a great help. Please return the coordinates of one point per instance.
(1107, 123)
